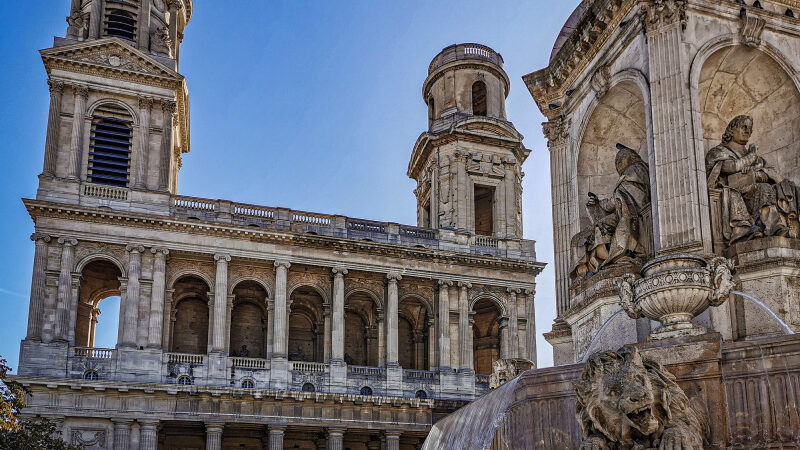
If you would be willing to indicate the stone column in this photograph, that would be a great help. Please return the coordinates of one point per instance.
(335, 438)
(433, 363)
(64, 288)
(464, 330)
(505, 339)
(130, 302)
(392, 320)
(174, 6)
(220, 302)
(38, 293)
(531, 330)
(471, 342)
(393, 440)
(165, 165)
(53, 128)
(122, 434)
(675, 169)
(149, 435)
(145, 106)
(157, 297)
(270, 327)
(214, 436)
(557, 133)
(510, 197)
(513, 322)
(326, 338)
(81, 93)
(337, 324)
(444, 325)
(276, 433)
(279, 317)
(93, 325)
(381, 338)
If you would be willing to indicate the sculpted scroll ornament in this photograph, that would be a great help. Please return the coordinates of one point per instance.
(660, 13)
(625, 402)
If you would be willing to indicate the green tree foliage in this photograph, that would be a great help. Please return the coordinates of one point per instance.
(22, 433)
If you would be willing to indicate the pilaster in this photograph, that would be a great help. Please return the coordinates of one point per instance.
(154, 337)
(81, 94)
(444, 325)
(64, 288)
(130, 301)
(557, 133)
(165, 163)
(145, 106)
(513, 319)
(464, 329)
(36, 307)
(53, 127)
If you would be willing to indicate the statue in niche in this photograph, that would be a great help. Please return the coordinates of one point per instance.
(78, 25)
(160, 42)
(615, 234)
(755, 202)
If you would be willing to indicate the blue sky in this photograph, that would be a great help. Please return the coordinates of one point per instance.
(311, 105)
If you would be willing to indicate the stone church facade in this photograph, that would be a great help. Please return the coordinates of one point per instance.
(673, 129)
(245, 326)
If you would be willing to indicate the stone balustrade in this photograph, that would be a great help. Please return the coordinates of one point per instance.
(283, 219)
(96, 353)
(309, 367)
(185, 358)
(249, 363)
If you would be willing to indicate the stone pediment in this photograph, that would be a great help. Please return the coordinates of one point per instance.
(111, 56)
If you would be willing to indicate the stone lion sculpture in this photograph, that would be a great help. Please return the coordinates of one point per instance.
(626, 402)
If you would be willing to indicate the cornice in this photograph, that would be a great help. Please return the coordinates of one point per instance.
(506, 137)
(38, 209)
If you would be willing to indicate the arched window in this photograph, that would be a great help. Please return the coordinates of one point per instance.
(110, 146)
(366, 390)
(431, 110)
(97, 315)
(479, 98)
(121, 23)
(421, 394)
(486, 336)
(308, 387)
(91, 375)
(185, 380)
(248, 384)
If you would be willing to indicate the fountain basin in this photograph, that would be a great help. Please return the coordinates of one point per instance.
(673, 290)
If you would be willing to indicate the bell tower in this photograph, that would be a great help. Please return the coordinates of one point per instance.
(119, 109)
(468, 163)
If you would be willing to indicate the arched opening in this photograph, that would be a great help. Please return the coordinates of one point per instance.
(741, 80)
(306, 326)
(412, 334)
(97, 319)
(360, 330)
(431, 111)
(479, 98)
(249, 321)
(121, 23)
(486, 335)
(110, 146)
(190, 322)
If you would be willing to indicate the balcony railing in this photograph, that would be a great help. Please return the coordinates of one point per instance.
(250, 363)
(482, 379)
(310, 367)
(486, 241)
(96, 353)
(423, 375)
(367, 371)
(106, 192)
(186, 358)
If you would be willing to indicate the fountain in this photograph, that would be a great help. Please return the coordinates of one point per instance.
(682, 387)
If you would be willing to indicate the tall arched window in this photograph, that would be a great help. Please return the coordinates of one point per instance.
(121, 23)
(431, 110)
(110, 146)
(479, 98)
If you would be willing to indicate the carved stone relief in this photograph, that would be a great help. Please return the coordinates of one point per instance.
(88, 438)
(627, 402)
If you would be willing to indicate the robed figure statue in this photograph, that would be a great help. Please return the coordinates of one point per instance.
(754, 201)
(615, 234)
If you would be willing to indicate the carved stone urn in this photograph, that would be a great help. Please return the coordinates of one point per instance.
(674, 289)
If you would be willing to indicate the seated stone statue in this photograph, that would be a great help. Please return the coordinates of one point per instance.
(755, 202)
(615, 233)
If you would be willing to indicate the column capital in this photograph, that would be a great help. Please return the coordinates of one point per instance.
(660, 13)
(122, 422)
(514, 291)
(145, 102)
(276, 427)
(220, 257)
(336, 431)
(556, 131)
(80, 90)
(55, 86)
(40, 237)
(444, 283)
(464, 285)
(174, 5)
(68, 241)
(339, 271)
(283, 263)
(393, 277)
(149, 422)
(530, 292)
(214, 427)
(162, 250)
(392, 434)
(168, 106)
(134, 248)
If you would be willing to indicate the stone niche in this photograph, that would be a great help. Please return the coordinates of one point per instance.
(741, 80)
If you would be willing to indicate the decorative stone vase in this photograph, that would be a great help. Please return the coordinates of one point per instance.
(674, 289)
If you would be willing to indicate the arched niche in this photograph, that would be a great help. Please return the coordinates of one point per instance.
(248, 328)
(618, 117)
(742, 80)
